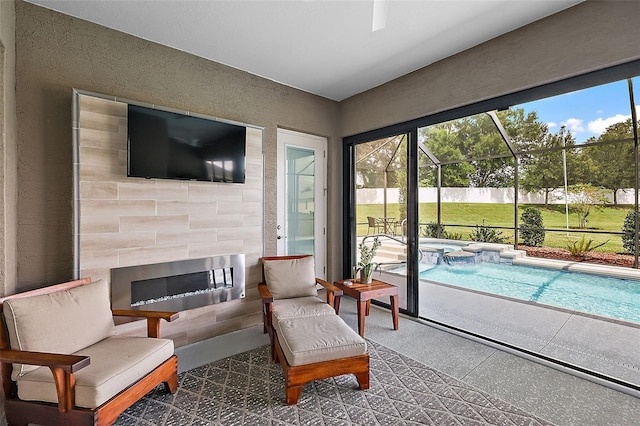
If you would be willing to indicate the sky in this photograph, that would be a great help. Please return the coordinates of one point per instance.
(587, 112)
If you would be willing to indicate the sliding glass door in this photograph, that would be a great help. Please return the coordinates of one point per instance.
(514, 224)
(380, 208)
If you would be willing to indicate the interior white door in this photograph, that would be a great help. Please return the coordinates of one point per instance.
(302, 210)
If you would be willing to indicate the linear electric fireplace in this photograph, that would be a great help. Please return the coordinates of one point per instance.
(180, 285)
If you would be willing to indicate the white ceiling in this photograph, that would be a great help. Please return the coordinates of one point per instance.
(320, 46)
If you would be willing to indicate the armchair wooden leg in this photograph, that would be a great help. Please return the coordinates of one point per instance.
(171, 385)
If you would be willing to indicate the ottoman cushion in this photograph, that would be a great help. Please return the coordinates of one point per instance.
(307, 340)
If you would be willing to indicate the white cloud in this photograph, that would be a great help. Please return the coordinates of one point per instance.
(599, 125)
(552, 125)
(574, 125)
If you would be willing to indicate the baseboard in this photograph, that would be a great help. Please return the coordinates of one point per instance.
(219, 347)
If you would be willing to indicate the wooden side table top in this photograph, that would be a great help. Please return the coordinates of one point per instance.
(363, 292)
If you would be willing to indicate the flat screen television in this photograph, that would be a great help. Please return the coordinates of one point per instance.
(168, 145)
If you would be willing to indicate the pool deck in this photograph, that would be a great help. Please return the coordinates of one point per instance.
(606, 346)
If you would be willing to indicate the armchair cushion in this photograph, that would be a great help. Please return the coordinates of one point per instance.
(116, 363)
(300, 307)
(65, 321)
(289, 278)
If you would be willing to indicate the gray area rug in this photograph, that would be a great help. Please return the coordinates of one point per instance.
(248, 389)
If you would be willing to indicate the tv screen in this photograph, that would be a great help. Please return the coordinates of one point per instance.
(169, 145)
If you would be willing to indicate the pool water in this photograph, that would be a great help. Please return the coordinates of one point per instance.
(611, 297)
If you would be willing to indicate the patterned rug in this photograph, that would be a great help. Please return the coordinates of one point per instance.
(248, 389)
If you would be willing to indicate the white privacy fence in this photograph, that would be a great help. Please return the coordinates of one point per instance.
(479, 195)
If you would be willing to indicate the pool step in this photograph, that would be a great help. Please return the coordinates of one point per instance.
(511, 255)
(391, 253)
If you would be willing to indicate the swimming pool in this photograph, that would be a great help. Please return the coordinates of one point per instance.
(610, 297)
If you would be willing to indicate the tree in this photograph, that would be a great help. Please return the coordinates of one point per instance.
(459, 143)
(614, 163)
(629, 229)
(583, 198)
(375, 159)
(441, 140)
(543, 168)
(525, 129)
(531, 228)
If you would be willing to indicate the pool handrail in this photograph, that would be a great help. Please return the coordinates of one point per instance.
(394, 238)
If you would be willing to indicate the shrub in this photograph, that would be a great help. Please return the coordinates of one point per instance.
(531, 227)
(486, 234)
(629, 229)
(582, 246)
(431, 230)
(452, 235)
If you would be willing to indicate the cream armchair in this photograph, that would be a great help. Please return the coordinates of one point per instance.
(288, 289)
(61, 364)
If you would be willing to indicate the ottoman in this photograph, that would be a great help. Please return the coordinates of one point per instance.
(317, 347)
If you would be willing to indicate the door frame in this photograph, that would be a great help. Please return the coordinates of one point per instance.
(319, 145)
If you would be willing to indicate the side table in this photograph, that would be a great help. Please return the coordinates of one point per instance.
(363, 293)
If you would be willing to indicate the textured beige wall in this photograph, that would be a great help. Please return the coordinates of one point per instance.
(586, 37)
(8, 150)
(58, 53)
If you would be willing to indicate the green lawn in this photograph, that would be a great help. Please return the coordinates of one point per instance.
(471, 214)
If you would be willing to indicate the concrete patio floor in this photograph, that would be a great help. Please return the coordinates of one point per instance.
(554, 395)
(605, 346)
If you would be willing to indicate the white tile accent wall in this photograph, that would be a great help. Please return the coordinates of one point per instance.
(132, 221)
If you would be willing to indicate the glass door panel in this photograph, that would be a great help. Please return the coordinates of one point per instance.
(301, 195)
(381, 209)
(300, 215)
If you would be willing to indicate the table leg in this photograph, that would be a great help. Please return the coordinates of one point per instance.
(394, 311)
(362, 307)
(336, 304)
(368, 311)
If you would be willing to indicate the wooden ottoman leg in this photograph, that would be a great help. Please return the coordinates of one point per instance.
(293, 393)
(363, 380)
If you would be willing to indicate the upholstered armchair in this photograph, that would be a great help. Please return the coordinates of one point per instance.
(60, 362)
(289, 289)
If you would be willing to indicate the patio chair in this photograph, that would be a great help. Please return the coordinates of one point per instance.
(61, 364)
(374, 224)
(288, 289)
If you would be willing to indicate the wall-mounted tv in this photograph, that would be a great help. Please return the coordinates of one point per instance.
(168, 145)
